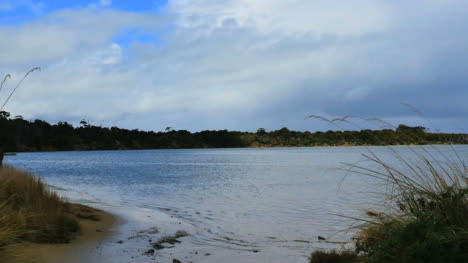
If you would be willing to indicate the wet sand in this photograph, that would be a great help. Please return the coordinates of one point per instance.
(85, 247)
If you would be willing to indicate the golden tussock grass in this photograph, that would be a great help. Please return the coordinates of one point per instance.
(29, 211)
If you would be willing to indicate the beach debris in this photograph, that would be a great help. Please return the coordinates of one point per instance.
(181, 233)
(158, 246)
(165, 240)
(150, 252)
(301, 241)
(171, 240)
(152, 231)
(145, 234)
(138, 236)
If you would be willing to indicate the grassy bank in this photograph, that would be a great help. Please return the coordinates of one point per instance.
(425, 218)
(30, 212)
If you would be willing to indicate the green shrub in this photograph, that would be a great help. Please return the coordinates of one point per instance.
(427, 217)
(435, 232)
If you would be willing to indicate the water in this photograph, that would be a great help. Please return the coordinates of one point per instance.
(264, 205)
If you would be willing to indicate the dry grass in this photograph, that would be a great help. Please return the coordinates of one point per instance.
(29, 211)
(9, 234)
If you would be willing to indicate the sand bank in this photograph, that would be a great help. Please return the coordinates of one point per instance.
(85, 247)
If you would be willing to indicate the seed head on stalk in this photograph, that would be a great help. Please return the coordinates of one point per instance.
(17, 86)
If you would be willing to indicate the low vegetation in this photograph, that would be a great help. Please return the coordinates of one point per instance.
(426, 212)
(30, 212)
(424, 209)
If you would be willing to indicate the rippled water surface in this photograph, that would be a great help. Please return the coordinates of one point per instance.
(249, 200)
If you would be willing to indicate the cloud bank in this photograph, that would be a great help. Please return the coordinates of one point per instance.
(242, 64)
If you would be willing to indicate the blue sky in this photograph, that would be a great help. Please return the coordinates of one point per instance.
(17, 12)
(20, 11)
(237, 64)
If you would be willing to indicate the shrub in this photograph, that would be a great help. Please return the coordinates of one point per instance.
(437, 232)
(426, 220)
(426, 206)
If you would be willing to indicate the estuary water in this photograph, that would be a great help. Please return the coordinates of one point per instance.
(237, 205)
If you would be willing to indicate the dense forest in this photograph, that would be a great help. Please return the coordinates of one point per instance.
(18, 135)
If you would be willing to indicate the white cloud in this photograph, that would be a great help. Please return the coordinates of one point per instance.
(107, 56)
(65, 33)
(250, 62)
(286, 17)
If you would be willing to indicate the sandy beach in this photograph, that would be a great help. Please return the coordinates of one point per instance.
(85, 247)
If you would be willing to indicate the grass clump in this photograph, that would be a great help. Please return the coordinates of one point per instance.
(30, 212)
(41, 214)
(431, 227)
(9, 234)
(424, 217)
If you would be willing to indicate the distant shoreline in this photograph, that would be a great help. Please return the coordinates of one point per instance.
(20, 135)
(259, 147)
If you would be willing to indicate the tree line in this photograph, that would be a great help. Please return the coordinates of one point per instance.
(19, 135)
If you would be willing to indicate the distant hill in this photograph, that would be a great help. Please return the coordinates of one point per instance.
(17, 135)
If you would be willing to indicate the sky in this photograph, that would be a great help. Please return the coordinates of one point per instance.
(238, 64)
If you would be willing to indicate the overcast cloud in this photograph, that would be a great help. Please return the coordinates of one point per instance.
(240, 64)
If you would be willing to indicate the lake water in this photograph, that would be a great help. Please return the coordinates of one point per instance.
(238, 205)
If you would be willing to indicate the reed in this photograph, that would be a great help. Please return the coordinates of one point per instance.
(8, 76)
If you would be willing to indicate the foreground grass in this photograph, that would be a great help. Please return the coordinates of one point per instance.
(29, 211)
(426, 217)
